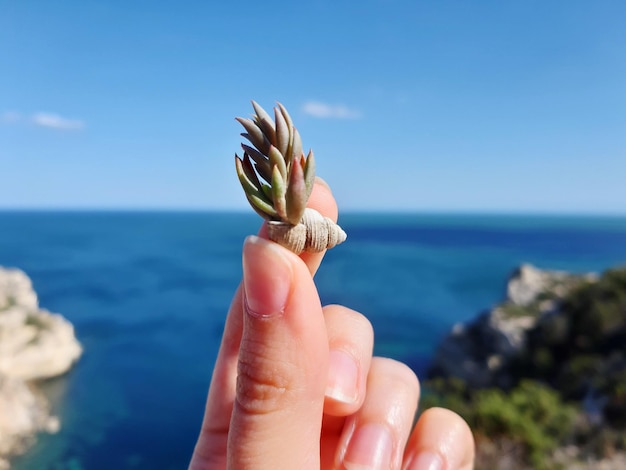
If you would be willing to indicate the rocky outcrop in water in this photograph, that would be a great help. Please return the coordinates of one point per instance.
(34, 345)
(479, 352)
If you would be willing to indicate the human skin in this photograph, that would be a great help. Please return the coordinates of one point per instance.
(295, 385)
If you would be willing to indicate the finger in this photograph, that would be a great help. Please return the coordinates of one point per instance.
(210, 449)
(283, 363)
(211, 446)
(375, 436)
(350, 340)
(441, 440)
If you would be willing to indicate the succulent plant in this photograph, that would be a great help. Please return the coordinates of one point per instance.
(278, 179)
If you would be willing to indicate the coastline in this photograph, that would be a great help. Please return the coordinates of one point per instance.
(34, 345)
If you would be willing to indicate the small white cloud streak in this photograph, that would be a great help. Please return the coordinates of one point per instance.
(329, 111)
(10, 117)
(54, 121)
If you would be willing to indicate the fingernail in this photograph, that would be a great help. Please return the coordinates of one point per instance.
(425, 461)
(266, 277)
(370, 448)
(343, 374)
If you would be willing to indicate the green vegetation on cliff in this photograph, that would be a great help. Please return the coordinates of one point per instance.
(531, 418)
(568, 381)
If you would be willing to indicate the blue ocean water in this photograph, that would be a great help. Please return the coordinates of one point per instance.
(148, 294)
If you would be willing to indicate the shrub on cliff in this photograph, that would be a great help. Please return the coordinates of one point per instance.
(531, 416)
(597, 313)
(579, 349)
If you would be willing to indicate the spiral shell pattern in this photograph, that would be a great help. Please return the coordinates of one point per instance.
(314, 233)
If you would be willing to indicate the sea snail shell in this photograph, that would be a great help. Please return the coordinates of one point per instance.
(314, 233)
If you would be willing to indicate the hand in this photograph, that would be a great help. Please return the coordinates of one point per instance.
(295, 385)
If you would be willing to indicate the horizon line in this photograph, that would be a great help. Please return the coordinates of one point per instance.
(434, 212)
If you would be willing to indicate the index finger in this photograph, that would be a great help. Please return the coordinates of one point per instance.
(210, 451)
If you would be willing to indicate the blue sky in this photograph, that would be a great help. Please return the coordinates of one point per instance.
(408, 105)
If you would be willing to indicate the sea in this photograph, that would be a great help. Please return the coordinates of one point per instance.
(148, 293)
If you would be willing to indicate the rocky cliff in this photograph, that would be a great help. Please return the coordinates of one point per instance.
(34, 345)
(479, 352)
(541, 377)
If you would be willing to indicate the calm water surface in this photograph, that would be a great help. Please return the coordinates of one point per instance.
(148, 294)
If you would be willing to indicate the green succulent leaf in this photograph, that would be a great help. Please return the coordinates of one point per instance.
(248, 186)
(296, 150)
(285, 114)
(268, 130)
(296, 193)
(266, 209)
(254, 134)
(282, 132)
(264, 121)
(277, 160)
(257, 210)
(289, 152)
(309, 173)
(257, 198)
(279, 190)
(267, 192)
(254, 153)
(262, 163)
(260, 112)
(248, 169)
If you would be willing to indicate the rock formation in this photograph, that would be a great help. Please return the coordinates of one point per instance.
(479, 351)
(34, 344)
(542, 374)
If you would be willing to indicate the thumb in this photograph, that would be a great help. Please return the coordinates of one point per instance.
(282, 366)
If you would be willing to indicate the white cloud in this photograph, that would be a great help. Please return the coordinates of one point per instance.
(9, 117)
(325, 110)
(54, 121)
